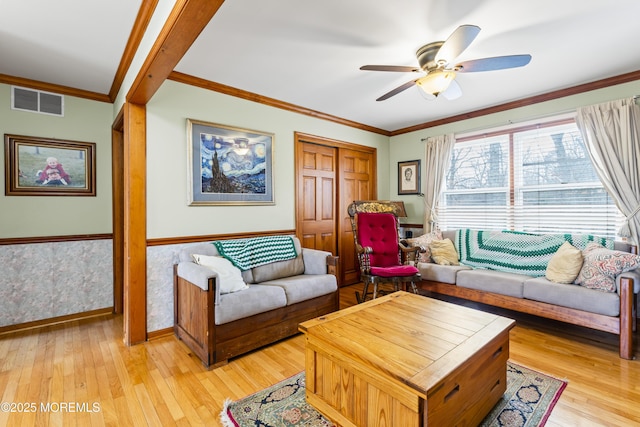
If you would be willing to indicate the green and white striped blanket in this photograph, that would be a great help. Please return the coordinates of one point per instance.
(516, 252)
(256, 251)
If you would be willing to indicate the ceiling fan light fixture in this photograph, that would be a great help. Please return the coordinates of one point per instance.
(436, 60)
(436, 82)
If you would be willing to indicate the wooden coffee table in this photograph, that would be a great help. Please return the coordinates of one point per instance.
(406, 360)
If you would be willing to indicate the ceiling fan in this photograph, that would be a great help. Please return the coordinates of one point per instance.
(435, 59)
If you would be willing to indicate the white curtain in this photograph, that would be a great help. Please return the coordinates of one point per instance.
(611, 132)
(437, 158)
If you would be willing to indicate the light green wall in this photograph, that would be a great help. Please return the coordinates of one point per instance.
(30, 216)
(168, 214)
(410, 147)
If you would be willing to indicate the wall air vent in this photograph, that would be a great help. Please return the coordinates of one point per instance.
(37, 101)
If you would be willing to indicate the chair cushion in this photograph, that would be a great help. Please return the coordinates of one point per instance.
(440, 273)
(256, 299)
(572, 296)
(279, 269)
(497, 282)
(305, 286)
(379, 231)
(395, 271)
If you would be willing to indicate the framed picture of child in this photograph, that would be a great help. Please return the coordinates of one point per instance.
(49, 167)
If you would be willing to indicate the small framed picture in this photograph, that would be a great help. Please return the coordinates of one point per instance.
(49, 167)
(409, 177)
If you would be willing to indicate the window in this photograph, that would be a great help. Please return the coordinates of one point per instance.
(536, 179)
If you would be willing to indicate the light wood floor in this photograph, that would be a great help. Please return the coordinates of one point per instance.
(48, 373)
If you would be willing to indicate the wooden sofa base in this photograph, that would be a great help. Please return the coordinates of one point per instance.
(624, 326)
(216, 344)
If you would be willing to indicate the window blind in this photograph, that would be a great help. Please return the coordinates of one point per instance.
(536, 179)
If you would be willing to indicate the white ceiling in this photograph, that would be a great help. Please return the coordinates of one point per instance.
(308, 53)
(74, 43)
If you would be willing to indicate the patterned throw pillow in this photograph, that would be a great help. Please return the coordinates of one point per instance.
(601, 266)
(424, 241)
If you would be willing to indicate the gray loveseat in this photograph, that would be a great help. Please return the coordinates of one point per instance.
(613, 312)
(217, 326)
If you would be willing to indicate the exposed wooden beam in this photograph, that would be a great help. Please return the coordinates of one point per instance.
(135, 224)
(139, 27)
(185, 22)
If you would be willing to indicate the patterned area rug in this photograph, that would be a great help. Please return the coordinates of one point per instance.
(528, 401)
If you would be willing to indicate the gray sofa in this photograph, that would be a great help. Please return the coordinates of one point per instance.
(613, 312)
(217, 326)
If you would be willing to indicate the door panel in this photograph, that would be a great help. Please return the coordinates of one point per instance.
(316, 195)
(330, 175)
(349, 262)
(356, 177)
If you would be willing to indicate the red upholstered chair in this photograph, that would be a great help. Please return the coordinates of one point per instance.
(381, 256)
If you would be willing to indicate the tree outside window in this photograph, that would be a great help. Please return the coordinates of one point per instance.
(536, 179)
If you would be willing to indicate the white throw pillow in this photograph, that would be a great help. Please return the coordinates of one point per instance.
(229, 276)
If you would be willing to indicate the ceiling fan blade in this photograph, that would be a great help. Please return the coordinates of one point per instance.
(494, 63)
(453, 91)
(457, 42)
(397, 90)
(396, 68)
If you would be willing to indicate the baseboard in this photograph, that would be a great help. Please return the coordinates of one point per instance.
(55, 320)
(160, 333)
